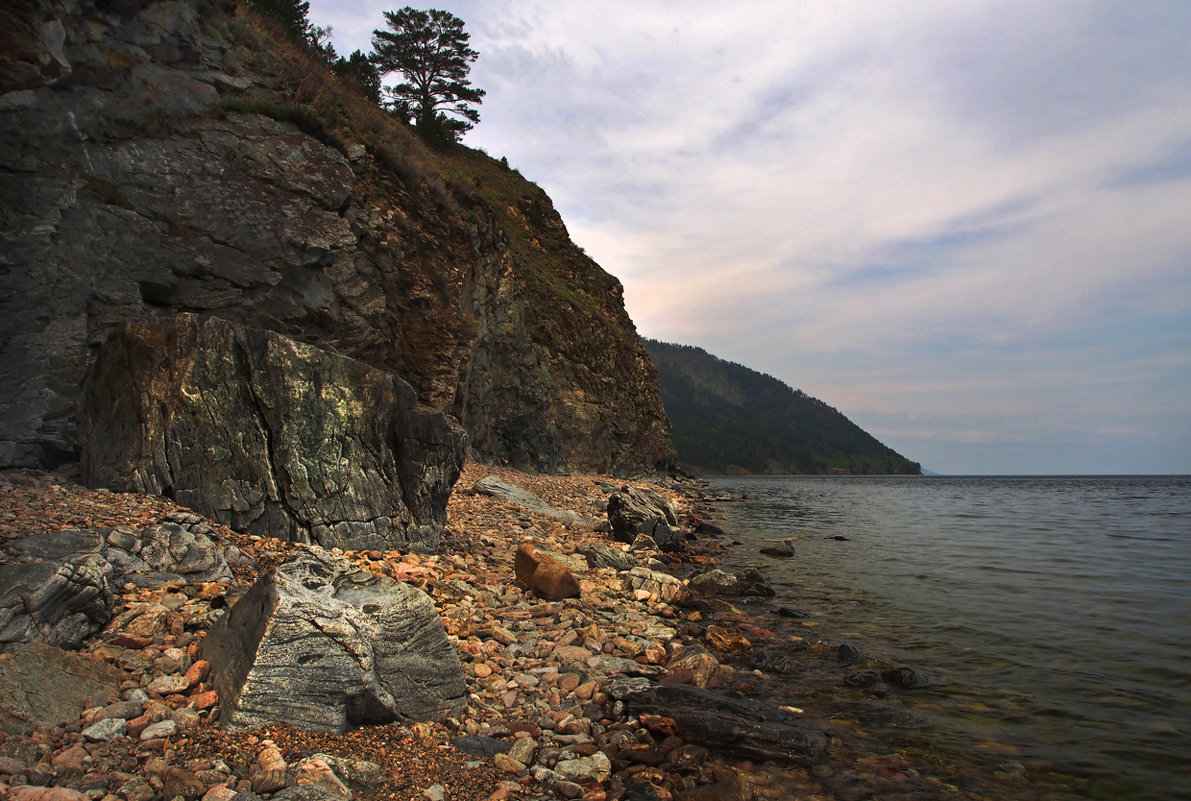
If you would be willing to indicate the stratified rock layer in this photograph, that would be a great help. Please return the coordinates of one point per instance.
(318, 644)
(268, 435)
(159, 157)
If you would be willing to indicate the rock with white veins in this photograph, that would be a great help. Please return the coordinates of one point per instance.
(323, 646)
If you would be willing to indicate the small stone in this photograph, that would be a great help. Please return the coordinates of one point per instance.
(106, 730)
(594, 768)
(567, 789)
(168, 685)
(522, 750)
(503, 635)
(508, 764)
(159, 730)
(179, 782)
(198, 673)
(204, 700)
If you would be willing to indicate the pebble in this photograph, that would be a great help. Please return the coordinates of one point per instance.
(106, 729)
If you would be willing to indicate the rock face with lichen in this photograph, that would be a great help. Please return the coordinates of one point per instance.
(166, 157)
(321, 645)
(268, 435)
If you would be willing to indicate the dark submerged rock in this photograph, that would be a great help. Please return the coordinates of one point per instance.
(268, 435)
(726, 722)
(900, 677)
(782, 550)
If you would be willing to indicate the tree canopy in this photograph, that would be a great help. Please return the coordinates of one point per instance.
(430, 49)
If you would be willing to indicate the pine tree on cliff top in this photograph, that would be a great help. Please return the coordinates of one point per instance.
(430, 49)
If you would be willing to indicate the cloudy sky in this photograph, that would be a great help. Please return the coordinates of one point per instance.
(966, 225)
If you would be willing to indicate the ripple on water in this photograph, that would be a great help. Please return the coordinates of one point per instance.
(1053, 613)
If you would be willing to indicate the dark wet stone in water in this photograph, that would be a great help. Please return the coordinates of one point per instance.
(848, 653)
(785, 611)
(772, 661)
(889, 716)
(838, 538)
(902, 677)
(781, 550)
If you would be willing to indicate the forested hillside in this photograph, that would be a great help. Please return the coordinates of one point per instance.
(727, 418)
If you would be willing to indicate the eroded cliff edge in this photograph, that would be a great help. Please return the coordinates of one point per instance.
(165, 157)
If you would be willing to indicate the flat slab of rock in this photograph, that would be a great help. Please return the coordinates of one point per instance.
(320, 645)
(504, 491)
(726, 722)
(268, 435)
(41, 685)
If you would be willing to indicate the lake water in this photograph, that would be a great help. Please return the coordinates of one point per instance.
(1052, 614)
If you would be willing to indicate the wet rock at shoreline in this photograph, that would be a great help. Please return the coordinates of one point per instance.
(727, 722)
(634, 511)
(748, 582)
(782, 550)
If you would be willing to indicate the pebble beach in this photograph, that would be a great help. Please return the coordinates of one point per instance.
(542, 718)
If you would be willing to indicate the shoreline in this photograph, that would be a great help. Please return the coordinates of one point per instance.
(538, 672)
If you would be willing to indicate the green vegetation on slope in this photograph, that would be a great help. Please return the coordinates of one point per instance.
(728, 418)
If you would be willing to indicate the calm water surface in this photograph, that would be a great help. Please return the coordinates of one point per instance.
(1053, 614)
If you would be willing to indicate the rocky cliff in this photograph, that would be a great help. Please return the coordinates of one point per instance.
(179, 156)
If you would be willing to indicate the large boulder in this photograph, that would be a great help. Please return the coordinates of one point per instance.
(320, 645)
(268, 435)
(634, 511)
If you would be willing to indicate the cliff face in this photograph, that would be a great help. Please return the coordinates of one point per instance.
(177, 156)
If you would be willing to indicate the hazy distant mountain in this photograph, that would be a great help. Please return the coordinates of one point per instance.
(730, 419)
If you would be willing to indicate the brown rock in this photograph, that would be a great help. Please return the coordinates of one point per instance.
(544, 574)
(726, 642)
(204, 700)
(270, 773)
(27, 793)
(179, 782)
(44, 685)
(693, 666)
(198, 673)
(72, 761)
(659, 724)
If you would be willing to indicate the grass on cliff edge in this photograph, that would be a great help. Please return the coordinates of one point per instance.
(458, 180)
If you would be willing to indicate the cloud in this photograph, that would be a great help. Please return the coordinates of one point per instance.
(952, 192)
